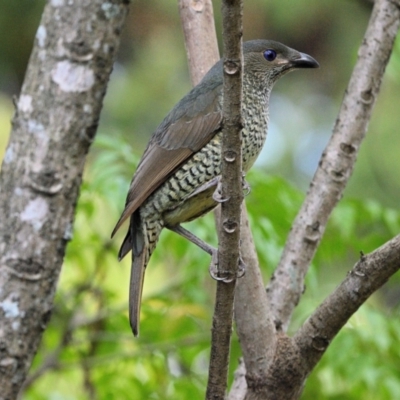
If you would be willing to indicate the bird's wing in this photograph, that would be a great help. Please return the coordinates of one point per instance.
(186, 129)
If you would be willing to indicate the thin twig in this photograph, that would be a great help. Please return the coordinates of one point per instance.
(231, 189)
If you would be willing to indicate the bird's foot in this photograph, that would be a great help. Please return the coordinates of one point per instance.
(213, 269)
(225, 276)
(217, 196)
(245, 185)
(241, 268)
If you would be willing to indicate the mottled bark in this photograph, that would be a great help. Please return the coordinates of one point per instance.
(54, 124)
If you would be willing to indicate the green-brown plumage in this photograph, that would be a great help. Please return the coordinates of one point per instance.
(177, 175)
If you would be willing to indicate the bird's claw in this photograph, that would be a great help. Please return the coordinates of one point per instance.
(245, 186)
(241, 268)
(218, 198)
(215, 274)
(213, 269)
(217, 194)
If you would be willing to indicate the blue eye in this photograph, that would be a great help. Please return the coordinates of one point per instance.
(270, 55)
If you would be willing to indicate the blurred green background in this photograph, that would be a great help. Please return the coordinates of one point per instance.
(88, 351)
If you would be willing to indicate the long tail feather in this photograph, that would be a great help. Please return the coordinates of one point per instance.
(135, 290)
(138, 238)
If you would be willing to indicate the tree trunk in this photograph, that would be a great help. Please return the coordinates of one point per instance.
(54, 124)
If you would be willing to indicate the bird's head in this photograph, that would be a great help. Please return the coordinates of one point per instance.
(267, 59)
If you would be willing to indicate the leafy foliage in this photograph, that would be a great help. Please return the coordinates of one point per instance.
(89, 348)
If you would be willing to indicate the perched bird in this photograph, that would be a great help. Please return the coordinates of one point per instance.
(179, 171)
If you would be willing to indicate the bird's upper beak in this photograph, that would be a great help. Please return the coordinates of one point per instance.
(302, 60)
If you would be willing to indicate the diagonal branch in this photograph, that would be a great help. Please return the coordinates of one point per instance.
(367, 276)
(337, 162)
(294, 358)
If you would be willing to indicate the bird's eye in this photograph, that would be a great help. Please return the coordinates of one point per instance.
(270, 55)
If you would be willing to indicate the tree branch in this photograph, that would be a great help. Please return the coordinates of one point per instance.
(239, 385)
(54, 124)
(337, 162)
(231, 189)
(197, 19)
(247, 286)
(197, 22)
(294, 358)
(254, 325)
(367, 276)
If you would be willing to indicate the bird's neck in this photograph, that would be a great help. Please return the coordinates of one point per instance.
(255, 117)
(256, 93)
(256, 89)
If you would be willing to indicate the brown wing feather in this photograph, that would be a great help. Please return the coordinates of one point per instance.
(146, 180)
(175, 141)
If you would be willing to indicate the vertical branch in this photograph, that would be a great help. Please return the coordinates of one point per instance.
(337, 162)
(197, 21)
(200, 37)
(231, 189)
(54, 124)
(254, 325)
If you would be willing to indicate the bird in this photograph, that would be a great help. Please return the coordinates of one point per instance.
(177, 177)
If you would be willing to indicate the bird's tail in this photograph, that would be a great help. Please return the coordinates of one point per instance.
(141, 238)
(135, 289)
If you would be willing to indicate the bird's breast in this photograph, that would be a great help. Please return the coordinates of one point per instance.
(255, 125)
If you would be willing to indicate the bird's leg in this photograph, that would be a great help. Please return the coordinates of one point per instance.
(180, 230)
(206, 186)
(212, 251)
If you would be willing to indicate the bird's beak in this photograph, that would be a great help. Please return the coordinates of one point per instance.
(303, 60)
